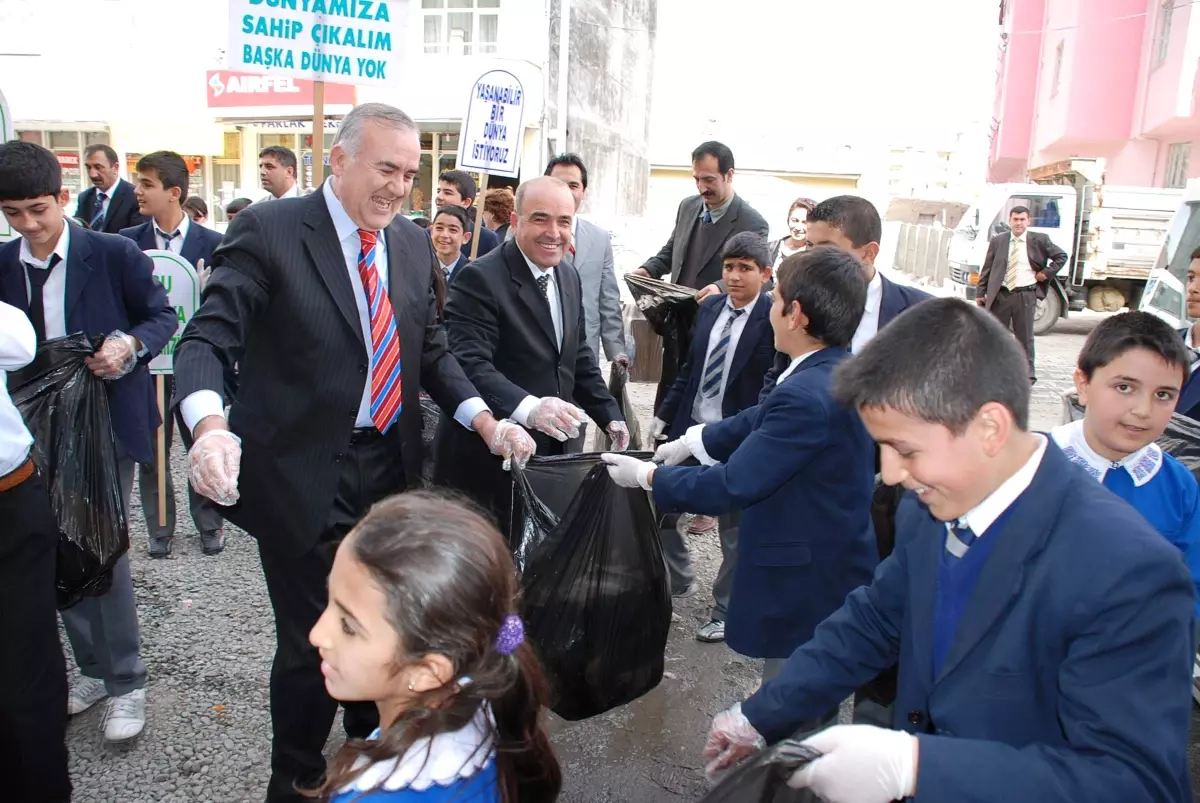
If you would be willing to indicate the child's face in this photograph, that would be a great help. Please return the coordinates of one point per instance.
(152, 198)
(743, 280)
(359, 646)
(949, 472)
(38, 220)
(1193, 289)
(448, 237)
(1128, 402)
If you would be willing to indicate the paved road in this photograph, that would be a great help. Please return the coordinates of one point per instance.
(207, 634)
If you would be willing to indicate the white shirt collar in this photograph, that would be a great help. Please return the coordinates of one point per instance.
(719, 211)
(795, 363)
(1021, 239)
(446, 267)
(441, 761)
(874, 293)
(749, 308)
(110, 192)
(534, 268)
(342, 224)
(62, 248)
(182, 228)
(1142, 465)
(292, 192)
(983, 515)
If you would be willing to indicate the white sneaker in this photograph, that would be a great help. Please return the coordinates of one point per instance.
(84, 694)
(126, 716)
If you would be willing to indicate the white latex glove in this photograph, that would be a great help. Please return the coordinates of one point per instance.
(628, 472)
(202, 273)
(658, 428)
(619, 431)
(730, 739)
(513, 443)
(556, 418)
(672, 453)
(115, 358)
(860, 764)
(216, 460)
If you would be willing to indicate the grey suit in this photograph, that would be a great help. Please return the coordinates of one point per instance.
(593, 261)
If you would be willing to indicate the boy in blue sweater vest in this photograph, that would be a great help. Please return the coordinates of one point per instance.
(1041, 626)
(1129, 376)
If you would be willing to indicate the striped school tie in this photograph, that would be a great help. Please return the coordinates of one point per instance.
(385, 340)
(959, 540)
(1014, 260)
(714, 370)
(98, 216)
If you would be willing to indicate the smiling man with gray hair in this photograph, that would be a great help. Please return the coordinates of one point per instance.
(327, 305)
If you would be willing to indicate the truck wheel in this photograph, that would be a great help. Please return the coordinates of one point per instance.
(1048, 311)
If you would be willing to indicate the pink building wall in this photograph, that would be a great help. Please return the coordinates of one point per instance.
(1017, 74)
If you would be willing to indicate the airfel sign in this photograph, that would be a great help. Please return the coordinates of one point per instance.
(228, 89)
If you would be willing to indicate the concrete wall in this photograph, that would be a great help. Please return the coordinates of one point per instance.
(610, 74)
(922, 252)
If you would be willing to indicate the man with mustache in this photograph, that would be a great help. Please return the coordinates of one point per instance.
(516, 324)
(327, 305)
(108, 205)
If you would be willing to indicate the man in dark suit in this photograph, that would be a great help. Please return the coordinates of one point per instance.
(302, 297)
(1024, 603)
(108, 205)
(457, 188)
(162, 181)
(515, 323)
(68, 279)
(450, 230)
(1189, 396)
(1014, 276)
(732, 350)
(703, 224)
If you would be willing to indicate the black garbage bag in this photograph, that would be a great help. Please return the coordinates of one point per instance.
(763, 778)
(596, 599)
(670, 308)
(65, 406)
(1181, 438)
(618, 378)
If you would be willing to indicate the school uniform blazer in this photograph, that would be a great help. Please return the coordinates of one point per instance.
(1069, 677)
(1189, 396)
(197, 245)
(752, 359)
(801, 468)
(488, 241)
(896, 299)
(122, 208)
(110, 286)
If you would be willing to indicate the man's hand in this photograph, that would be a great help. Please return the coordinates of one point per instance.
(673, 453)
(115, 358)
(556, 418)
(860, 764)
(730, 739)
(202, 274)
(1040, 276)
(643, 272)
(619, 431)
(706, 291)
(510, 441)
(623, 361)
(658, 428)
(629, 472)
(981, 300)
(215, 460)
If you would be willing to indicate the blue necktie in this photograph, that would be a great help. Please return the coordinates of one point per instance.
(707, 216)
(98, 216)
(958, 540)
(714, 369)
(166, 238)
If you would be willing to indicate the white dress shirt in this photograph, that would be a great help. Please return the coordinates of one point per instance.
(984, 515)
(294, 192)
(708, 410)
(203, 403)
(18, 344)
(530, 403)
(868, 327)
(108, 196)
(176, 244)
(718, 213)
(54, 292)
(1025, 275)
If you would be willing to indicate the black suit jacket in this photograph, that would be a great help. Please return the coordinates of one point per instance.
(281, 305)
(739, 217)
(1044, 257)
(199, 244)
(122, 208)
(501, 331)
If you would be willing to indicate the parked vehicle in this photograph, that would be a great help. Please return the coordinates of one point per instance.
(1166, 292)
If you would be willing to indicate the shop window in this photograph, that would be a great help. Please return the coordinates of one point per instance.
(30, 136)
(461, 27)
(1178, 156)
(64, 140)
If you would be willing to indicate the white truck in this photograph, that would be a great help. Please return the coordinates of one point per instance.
(1112, 236)
(1166, 293)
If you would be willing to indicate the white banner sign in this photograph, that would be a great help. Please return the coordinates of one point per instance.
(491, 135)
(347, 41)
(178, 276)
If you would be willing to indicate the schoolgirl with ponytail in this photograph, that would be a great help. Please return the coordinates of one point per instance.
(422, 619)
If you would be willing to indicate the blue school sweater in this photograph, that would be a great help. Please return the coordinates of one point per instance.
(1155, 484)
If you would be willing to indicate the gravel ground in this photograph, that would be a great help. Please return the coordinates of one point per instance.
(207, 635)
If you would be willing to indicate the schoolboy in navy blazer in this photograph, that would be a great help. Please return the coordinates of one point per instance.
(1189, 395)
(1042, 626)
(198, 244)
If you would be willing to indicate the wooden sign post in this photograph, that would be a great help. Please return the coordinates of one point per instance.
(491, 136)
(318, 144)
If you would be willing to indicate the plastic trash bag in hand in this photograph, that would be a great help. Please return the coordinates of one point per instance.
(763, 778)
(618, 378)
(65, 407)
(669, 308)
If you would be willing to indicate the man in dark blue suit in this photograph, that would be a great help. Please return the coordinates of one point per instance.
(68, 279)
(800, 467)
(457, 188)
(109, 204)
(1043, 628)
(1189, 396)
(732, 349)
(162, 183)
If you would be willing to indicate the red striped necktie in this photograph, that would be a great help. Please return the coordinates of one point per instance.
(385, 339)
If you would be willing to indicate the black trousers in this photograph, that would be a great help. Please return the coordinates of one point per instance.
(302, 711)
(1016, 311)
(33, 675)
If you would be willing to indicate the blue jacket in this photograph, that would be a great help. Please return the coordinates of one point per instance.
(801, 468)
(1070, 675)
(896, 299)
(753, 358)
(488, 240)
(110, 286)
(198, 244)
(1189, 396)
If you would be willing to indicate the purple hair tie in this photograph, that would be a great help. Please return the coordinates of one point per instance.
(511, 636)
